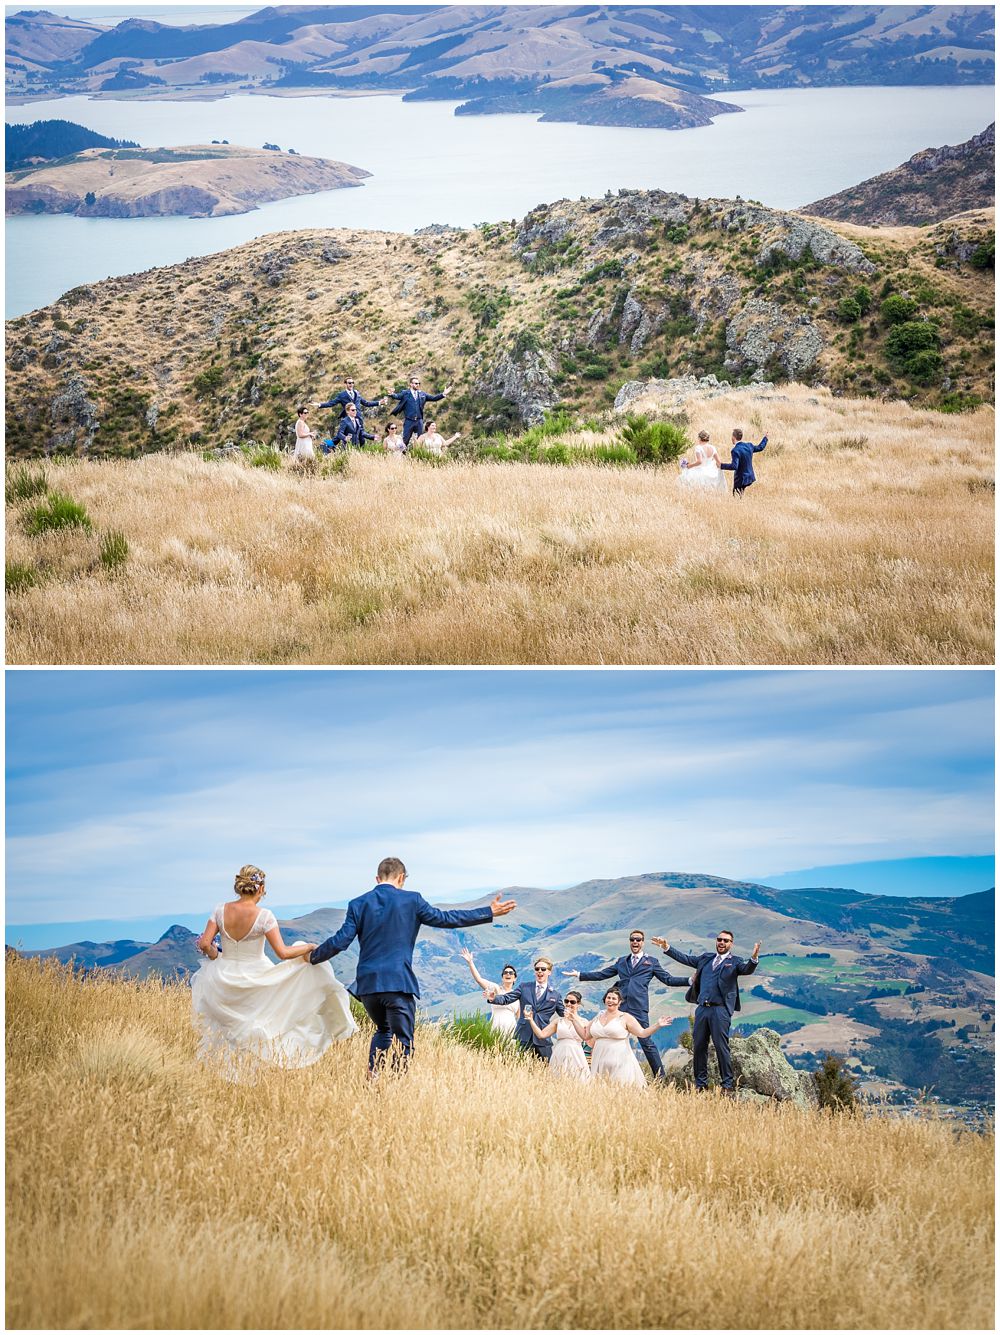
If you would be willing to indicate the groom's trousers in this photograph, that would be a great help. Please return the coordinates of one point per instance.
(711, 1021)
(393, 1014)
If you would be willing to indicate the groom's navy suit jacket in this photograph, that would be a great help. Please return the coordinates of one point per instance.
(542, 1011)
(742, 463)
(412, 405)
(347, 396)
(386, 922)
(635, 982)
(726, 979)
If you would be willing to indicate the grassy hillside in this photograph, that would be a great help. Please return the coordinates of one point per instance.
(867, 539)
(558, 309)
(478, 1192)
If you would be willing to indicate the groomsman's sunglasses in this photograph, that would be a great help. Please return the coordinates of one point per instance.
(540, 968)
(633, 939)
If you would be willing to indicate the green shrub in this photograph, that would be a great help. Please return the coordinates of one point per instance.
(207, 381)
(55, 512)
(897, 309)
(19, 576)
(476, 1031)
(863, 296)
(654, 442)
(424, 456)
(615, 453)
(924, 366)
(983, 256)
(337, 464)
(849, 310)
(606, 269)
(23, 483)
(264, 456)
(114, 550)
(906, 340)
(836, 1087)
(954, 402)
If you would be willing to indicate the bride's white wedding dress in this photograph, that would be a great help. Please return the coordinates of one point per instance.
(708, 476)
(245, 1006)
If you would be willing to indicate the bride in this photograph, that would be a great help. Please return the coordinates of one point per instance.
(245, 1006)
(705, 472)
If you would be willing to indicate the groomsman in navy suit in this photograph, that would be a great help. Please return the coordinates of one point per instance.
(635, 972)
(410, 402)
(386, 921)
(351, 430)
(544, 1001)
(741, 463)
(349, 395)
(716, 990)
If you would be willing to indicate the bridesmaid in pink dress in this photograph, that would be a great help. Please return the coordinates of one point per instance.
(567, 1051)
(608, 1035)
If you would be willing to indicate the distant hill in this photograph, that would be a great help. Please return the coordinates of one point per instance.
(43, 141)
(516, 57)
(204, 181)
(879, 978)
(935, 183)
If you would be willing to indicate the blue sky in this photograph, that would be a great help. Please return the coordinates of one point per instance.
(139, 793)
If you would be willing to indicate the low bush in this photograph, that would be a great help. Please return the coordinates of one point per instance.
(654, 442)
(897, 309)
(55, 512)
(476, 1031)
(836, 1087)
(23, 483)
(18, 576)
(264, 456)
(114, 550)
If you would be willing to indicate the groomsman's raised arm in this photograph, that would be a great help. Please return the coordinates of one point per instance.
(690, 960)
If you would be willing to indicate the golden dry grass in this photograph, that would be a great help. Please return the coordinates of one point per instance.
(477, 1192)
(868, 539)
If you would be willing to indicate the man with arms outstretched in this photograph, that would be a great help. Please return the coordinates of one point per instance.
(635, 972)
(386, 921)
(716, 991)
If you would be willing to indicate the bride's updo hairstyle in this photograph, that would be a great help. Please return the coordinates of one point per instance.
(249, 880)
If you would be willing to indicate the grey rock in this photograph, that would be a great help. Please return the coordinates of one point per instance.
(762, 331)
(152, 415)
(55, 342)
(598, 330)
(275, 267)
(761, 1070)
(72, 412)
(20, 357)
(633, 214)
(332, 253)
(438, 229)
(792, 237)
(312, 294)
(668, 395)
(540, 228)
(524, 380)
(639, 324)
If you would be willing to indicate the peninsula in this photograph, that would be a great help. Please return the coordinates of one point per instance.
(199, 181)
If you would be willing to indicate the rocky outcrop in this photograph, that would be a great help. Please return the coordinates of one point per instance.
(663, 397)
(935, 183)
(639, 323)
(634, 212)
(72, 412)
(794, 239)
(761, 333)
(762, 1072)
(524, 379)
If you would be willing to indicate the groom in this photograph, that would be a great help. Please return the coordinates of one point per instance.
(386, 922)
(741, 463)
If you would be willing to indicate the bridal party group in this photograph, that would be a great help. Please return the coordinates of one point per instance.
(703, 471)
(249, 1009)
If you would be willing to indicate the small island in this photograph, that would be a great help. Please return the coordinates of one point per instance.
(197, 181)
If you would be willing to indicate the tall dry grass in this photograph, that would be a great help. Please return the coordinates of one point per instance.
(476, 1192)
(868, 539)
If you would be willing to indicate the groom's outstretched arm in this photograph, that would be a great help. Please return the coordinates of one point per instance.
(668, 978)
(333, 945)
(431, 916)
(596, 975)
